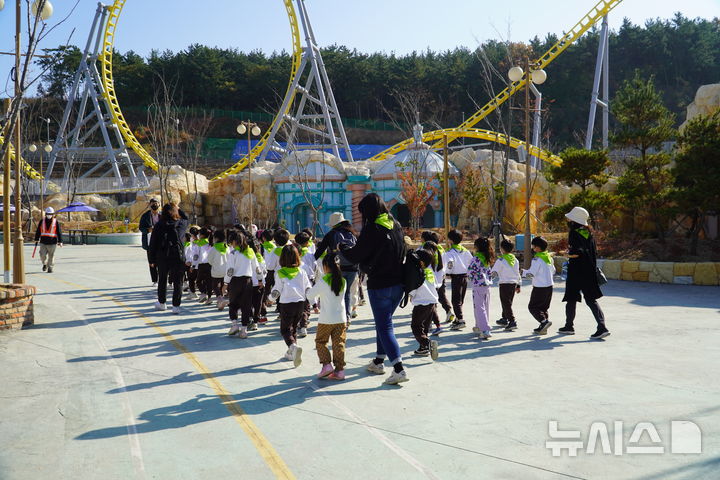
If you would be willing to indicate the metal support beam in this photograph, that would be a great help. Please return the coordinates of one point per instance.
(601, 70)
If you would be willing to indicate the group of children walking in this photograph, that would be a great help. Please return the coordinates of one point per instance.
(247, 273)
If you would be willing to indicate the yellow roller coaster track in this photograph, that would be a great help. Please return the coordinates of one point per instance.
(117, 116)
(29, 171)
(601, 9)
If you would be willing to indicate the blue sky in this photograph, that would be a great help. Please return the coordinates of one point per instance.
(399, 26)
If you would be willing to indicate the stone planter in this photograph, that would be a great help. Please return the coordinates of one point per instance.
(132, 238)
(16, 306)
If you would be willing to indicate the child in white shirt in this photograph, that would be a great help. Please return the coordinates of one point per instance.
(217, 258)
(424, 300)
(330, 289)
(190, 271)
(457, 260)
(439, 271)
(307, 263)
(541, 270)
(240, 276)
(507, 269)
(291, 285)
(200, 262)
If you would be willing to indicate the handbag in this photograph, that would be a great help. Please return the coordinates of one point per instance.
(601, 278)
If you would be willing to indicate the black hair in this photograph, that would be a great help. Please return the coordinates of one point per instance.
(427, 257)
(433, 247)
(289, 257)
(507, 245)
(430, 236)
(266, 235)
(482, 245)
(219, 236)
(302, 238)
(540, 242)
(204, 232)
(332, 263)
(310, 233)
(187, 237)
(193, 231)
(371, 207)
(455, 236)
(281, 237)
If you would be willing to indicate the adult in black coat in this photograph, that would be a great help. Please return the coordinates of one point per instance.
(582, 279)
(146, 225)
(166, 252)
(380, 251)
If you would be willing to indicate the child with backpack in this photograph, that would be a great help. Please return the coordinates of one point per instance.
(200, 263)
(424, 300)
(430, 236)
(291, 285)
(541, 270)
(217, 258)
(480, 275)
(240, 278)
(439, 272)
(507, 269)
(457, 260)
(330, 289)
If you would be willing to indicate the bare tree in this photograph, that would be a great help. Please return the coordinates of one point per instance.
(196, 130)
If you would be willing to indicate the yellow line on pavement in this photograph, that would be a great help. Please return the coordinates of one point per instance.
(263, 446)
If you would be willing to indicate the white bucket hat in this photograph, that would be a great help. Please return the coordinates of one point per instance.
(335, 218)
(578, 215)
(49, 211)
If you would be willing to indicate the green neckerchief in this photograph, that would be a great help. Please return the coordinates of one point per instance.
(278, 250)
(584, 232)
(384, 221)
(248, 252)
(288, 272)
(509, 258)
(201, 242)
(544, 256)
(323, 254)
(441, 250)
(303, 251)
(458, 248)
(268, 246)
(429, 275)
(187, 244)
(482, 258)
(221, 247)
(328, 279)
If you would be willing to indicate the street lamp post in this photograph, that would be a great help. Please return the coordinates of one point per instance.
(249, 128)
(6, 200)
(537, 76)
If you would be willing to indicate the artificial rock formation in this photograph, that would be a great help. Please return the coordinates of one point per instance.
(707, 101)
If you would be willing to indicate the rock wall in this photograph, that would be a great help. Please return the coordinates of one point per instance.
(707, 101)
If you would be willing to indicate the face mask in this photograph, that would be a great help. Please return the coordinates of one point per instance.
(154, 206)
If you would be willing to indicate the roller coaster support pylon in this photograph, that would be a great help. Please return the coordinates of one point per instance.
(602, 68)
(93, 114)
(316, 94)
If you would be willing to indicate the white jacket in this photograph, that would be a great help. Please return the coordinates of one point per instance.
(292, 290)
(202, 253)
(217, 262)
(239, 265)
(439, 277)
(190, 250)
(308, 264)
(425, 294)
(333, 306)
(263, 270)
(507, 273)
(542, 273)
(272, 259)
(460, 260)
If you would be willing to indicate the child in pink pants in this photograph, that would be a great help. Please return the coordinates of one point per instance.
(479, 273)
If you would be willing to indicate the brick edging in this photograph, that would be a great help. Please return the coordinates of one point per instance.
(16, 306)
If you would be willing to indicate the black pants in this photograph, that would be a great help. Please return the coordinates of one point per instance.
(217, 284)
(175, 274)
(269, 284)
(442, 298)
(539, 305)
(257, 305)
(290, 317)
(458, 287)
(594, 308)
(153, 270)
(306, 315)
(240, 293)
(507, 294)
(191, 274)
(204, 279)
(422, 317)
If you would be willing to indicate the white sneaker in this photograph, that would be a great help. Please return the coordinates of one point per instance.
(176, 310)
(160, 306)
(208, 301)
(485, 335)
(243, 332)
(296, 355)
(202, 299)
(222, 302)
(154, 284)
(192, 296)
(288, 355)
(376, 369)
(450, 317)
(396, 378)
(434, 349)
(476, 330)
(302, 332)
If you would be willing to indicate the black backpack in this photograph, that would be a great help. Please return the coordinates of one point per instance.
(413, 275)
(343, 237)
(172, 247)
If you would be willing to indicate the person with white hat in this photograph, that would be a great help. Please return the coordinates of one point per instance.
(582, 276)
(341, 233)
(49, 236)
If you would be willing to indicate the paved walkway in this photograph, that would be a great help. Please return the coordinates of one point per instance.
(104, 387)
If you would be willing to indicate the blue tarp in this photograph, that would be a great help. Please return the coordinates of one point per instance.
(359, 152)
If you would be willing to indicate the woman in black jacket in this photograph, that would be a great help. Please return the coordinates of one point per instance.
(380, 251)
(582, 279)
(166, 252)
